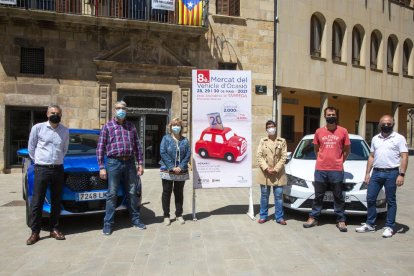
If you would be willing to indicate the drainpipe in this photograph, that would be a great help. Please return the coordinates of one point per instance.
(275, 92)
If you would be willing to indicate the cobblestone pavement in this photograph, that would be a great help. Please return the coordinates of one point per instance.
(223, 241)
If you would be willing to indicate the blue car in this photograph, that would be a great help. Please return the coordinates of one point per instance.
(83, 191)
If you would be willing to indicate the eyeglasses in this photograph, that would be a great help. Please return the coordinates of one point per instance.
(120, 107)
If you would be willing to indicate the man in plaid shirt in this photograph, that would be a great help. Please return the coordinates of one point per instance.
(119, 141)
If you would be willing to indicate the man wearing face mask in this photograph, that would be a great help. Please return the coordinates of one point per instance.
(118, 140)
(48, 144)
(332, 147)
(388, 162)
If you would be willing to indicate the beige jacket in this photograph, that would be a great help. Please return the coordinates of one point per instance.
(271, 154)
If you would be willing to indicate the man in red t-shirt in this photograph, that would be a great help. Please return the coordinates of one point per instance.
(332, 146)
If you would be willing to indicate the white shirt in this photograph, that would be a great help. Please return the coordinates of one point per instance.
(387, 150)
(48, 145)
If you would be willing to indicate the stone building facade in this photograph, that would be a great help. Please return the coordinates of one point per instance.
(91, 61)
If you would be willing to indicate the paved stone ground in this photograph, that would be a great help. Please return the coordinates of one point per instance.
(224, 241)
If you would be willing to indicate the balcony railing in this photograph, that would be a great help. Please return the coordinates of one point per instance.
(123, 9)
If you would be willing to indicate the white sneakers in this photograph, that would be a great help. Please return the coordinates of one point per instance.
(167, 221)
(388, 232)
(180, 220)
(365, 228)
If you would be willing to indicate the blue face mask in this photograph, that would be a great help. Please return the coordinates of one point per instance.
(121, 114)
(176, 129)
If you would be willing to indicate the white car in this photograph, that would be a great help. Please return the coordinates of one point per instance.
(299, 192)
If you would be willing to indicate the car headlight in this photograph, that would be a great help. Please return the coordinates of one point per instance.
(293, 180)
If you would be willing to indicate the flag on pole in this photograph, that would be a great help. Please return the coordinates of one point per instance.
(190, 12)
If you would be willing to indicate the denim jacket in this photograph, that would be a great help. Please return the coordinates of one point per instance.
(168, 150)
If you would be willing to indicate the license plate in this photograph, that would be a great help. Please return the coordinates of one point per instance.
(91, 196)
(329, 197)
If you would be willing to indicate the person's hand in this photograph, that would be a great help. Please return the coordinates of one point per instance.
(367, 178)
(102, 174)
(400, 181)
(270, 170)
(140, 170)
(177, 170)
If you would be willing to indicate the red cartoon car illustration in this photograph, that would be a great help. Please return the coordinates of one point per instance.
(221, 143)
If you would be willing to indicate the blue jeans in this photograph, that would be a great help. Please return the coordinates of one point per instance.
(322, 180)
(377, 180)
(264, 201)
(125, 171)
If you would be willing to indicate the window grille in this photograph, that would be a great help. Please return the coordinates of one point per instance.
(32, 61)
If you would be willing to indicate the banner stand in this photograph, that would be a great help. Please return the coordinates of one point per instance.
(250, 213)
(194, 205)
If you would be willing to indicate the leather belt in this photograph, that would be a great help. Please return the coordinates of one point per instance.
(386, 169)
(51, 166)
(123, 158)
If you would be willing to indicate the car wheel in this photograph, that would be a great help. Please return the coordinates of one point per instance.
(229, 157)
(203, 153)
(24, 187)
(382, 215)
(27, 213)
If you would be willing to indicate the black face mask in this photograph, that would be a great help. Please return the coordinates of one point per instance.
(55, 119)
(331, 120)
(386, 129)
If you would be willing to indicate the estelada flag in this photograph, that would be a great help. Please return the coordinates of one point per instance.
(190, 12)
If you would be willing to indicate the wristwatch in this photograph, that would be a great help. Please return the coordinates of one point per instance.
(402, 174)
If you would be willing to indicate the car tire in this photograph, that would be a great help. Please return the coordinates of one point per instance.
(229, 157)
(382, 215)
(28, 217)
(24, 188)
(203, 153)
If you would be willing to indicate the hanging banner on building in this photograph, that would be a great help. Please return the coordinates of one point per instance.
(168, 5)
(8, 2)
(221, 122)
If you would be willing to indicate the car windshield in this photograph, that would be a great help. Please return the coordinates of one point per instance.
(359, 150)
(82, 144)
(229, 135)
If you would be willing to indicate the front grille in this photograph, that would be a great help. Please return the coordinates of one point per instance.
(86, 206)
(353, 205)
(79, 182)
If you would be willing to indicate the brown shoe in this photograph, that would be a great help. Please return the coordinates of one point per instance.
(56, 234)
(310, 223)
(282, 222)
(341, 226)
(34, 238)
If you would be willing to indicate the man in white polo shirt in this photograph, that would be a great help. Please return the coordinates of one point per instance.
(388, 161)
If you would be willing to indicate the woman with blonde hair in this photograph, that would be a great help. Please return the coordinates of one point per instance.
(175, 155)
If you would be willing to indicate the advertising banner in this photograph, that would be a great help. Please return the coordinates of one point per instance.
(168, 5)
(8, 2)
(221, 121)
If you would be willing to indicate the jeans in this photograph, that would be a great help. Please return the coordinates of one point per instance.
(264, 201)
(322, 180)
(377, 180)
(42, 178)
(168, 186)
(125, 171)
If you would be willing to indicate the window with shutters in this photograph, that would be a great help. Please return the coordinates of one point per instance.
(228, 7)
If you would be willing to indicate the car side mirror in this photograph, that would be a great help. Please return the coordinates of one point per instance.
(23, 153)
(288, 157)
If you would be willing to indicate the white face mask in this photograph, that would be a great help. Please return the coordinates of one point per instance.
(271, 131)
